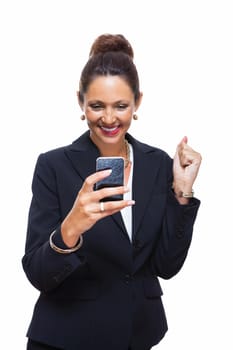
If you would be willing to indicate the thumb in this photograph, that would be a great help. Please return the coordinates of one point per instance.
(178, 148)
(184, 140)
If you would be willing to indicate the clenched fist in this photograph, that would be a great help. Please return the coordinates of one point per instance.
(186, 165)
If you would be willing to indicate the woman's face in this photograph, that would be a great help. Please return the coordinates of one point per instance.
(109, 105)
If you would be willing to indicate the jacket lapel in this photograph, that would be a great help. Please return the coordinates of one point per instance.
(82, 154)
(144, 175)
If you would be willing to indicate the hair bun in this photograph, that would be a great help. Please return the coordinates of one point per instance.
(109, 42)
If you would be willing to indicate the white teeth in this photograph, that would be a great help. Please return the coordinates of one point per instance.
(109, 129)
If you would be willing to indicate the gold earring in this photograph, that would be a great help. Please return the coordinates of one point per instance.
(83, 117)
(135, 117)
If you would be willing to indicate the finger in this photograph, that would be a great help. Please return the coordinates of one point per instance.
(189, 156)
(92, 179)
(111, 207)
(109, 191)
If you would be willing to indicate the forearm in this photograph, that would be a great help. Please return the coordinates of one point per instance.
(46, 268)
(173, 245)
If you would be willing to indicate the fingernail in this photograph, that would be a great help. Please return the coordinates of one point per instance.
(131, 202)
(108, 171)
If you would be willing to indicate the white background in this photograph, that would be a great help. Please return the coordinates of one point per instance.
(183, 51)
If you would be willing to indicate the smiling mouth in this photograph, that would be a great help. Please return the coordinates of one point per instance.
(110, 131)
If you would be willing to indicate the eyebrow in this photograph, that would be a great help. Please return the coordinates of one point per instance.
(115, 102)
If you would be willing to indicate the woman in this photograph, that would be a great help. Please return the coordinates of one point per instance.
(96, 264)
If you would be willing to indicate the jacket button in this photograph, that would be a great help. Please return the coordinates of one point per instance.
(68, 268)
(128, 278)
(180, 233)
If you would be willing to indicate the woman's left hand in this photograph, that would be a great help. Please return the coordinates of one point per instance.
(186, 165)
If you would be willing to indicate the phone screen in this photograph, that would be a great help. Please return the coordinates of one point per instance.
(115, 179)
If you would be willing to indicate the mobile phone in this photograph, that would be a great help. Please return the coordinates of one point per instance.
(115, 179)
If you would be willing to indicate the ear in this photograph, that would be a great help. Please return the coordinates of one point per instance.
(79, 100)
(138, 102)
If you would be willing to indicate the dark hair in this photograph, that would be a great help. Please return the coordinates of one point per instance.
(110, 55)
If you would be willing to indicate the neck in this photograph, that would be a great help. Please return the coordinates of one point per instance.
(121, 150)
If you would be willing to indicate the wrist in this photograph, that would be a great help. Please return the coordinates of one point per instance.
(182, 189)
(183, 193)
(64, 250)
(69, 236)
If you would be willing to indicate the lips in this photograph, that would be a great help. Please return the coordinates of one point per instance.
(110, 131)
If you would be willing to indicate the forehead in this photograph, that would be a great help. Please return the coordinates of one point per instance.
(109, 88)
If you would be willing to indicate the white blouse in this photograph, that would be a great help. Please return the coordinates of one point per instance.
(127, 212)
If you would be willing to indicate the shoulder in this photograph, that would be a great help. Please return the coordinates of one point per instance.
(59, 153)
(152, 160)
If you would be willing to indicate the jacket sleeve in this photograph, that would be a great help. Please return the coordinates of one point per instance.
(176, 232)
(174, 242)
(44, 267)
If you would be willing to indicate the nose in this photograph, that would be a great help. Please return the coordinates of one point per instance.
(108, 116)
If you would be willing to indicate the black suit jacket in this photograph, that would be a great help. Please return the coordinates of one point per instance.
(107, 294)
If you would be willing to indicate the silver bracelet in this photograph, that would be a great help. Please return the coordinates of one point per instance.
(65, 251)
(188, 194)
(185, 194)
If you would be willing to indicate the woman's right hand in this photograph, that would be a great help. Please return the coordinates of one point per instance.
(86, 210)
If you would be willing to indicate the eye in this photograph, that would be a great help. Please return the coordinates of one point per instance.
(122, 106)
(96, 106)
